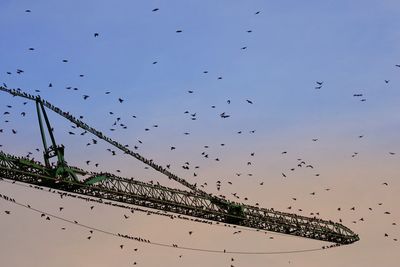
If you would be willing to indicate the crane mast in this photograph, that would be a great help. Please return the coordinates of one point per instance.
(195, 203)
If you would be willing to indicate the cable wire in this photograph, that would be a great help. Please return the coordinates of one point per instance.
(142, 240)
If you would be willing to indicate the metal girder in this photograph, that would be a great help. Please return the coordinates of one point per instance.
(196, 203)
(124, 148)
(162, 198)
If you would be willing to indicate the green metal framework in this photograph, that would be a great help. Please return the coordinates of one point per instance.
(196, 203)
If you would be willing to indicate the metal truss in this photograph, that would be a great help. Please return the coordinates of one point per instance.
(208, 207)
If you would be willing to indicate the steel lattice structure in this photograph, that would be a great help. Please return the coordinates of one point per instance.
(195, 203)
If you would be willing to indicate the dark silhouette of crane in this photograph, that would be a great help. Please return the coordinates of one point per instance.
(196, 203)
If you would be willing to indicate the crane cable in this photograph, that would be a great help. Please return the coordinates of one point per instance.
(146, 211)
(137, 239)
(100, 135)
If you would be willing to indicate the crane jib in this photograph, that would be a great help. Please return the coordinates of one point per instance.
(195, 203)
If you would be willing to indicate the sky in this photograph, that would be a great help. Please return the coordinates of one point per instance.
(258, 62)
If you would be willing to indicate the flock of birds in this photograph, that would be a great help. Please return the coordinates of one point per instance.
(121, 123)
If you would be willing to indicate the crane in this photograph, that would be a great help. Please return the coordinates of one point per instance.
(195, 203)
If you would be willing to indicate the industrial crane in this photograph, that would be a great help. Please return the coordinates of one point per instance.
(195, 203)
